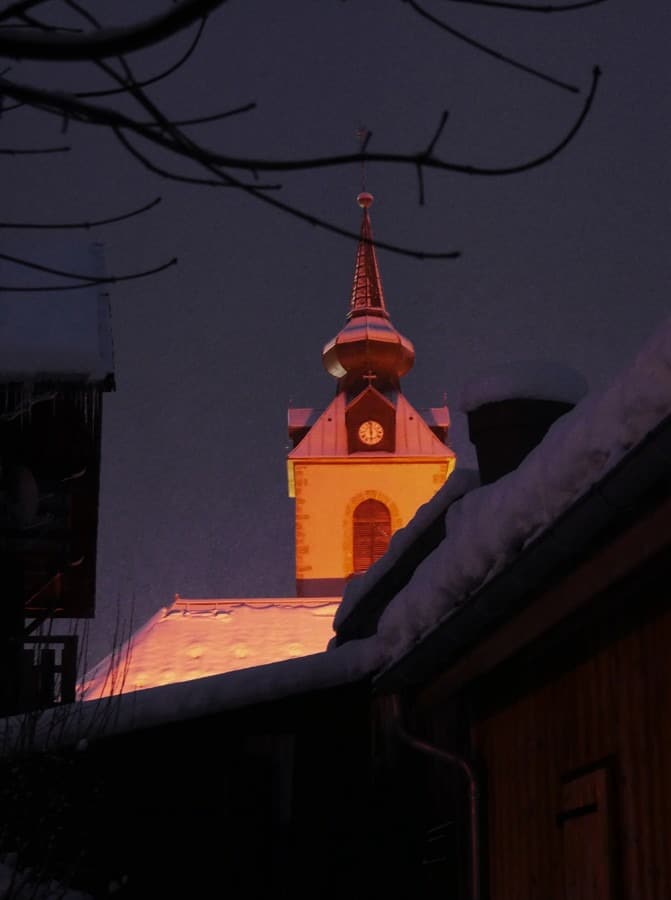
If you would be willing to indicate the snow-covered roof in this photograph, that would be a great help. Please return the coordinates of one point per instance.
(196, 638)
(487, 528)
(523, 379)
(56, 335)
(83, 721)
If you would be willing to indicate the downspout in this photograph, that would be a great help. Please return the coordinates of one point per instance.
(450, 759)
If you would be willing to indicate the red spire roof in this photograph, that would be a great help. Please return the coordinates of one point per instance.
(367, 295)
(368, 344)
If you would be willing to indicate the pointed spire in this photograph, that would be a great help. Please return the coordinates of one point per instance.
(367, 296)
(368, 346)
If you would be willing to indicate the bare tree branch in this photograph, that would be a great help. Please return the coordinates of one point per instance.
(85, 280)
(59, 103)
(32, 151)
(201, 120)
(165, 133)
(529, 7)
(425, 14)
(219, 182)
(63, 226)
(17, 9)
(437, 135)
(155, 78)
(32, 22)
(107, 41)
(292, 210)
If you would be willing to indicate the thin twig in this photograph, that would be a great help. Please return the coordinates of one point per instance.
(17, 9)
(155, 78)
(502, 57)
(82, 225)
(32, 151)
(529, 7)
(201, 120)
(91, 282)
(439, 130)
(186, 179)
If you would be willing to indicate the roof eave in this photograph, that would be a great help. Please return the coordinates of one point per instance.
(513, 589)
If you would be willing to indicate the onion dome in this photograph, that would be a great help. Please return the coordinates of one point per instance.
(368, 344)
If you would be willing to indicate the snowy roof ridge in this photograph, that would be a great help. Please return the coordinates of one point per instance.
(487, 528)
(532, 379)
(188, 605)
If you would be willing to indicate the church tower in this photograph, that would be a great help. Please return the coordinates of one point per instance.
(360, 468)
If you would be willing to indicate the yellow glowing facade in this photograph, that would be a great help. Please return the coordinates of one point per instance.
(328, 492)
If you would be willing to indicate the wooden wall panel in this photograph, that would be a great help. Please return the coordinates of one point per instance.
(614, 707)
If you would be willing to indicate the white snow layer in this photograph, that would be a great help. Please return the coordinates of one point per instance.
(75, 724)
(523, 379)
(459, 483)
(57, 333)
(487, 528)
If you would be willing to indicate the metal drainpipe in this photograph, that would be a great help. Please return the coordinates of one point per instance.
(451, 759)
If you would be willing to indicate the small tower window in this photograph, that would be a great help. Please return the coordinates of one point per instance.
(372, 530)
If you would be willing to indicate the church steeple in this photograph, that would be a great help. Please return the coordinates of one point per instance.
(368, 345)
(367, 295)
(360, 468)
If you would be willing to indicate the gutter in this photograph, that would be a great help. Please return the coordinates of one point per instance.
(450, 759)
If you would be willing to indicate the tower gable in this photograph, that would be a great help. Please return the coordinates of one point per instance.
(368, 410)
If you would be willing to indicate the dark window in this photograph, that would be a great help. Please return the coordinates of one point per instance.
(372, 530)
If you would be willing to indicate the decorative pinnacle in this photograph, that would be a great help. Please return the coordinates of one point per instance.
(365, 200)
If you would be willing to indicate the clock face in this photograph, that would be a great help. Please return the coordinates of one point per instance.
(370, 432)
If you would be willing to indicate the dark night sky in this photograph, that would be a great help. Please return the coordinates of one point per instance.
(567, 262)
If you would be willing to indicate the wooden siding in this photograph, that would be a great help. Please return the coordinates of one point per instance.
(610, 711)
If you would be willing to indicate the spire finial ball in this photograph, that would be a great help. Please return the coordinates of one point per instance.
(365, 200)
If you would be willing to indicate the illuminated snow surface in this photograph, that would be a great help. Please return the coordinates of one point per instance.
(197, 638)
(78, 723)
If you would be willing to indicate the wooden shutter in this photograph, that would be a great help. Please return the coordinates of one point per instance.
(372, 530)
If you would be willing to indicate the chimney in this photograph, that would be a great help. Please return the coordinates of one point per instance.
(511, 407)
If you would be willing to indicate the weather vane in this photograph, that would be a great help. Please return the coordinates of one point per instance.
(363, 136)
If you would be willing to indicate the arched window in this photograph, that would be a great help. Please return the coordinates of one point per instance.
(372, 530)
